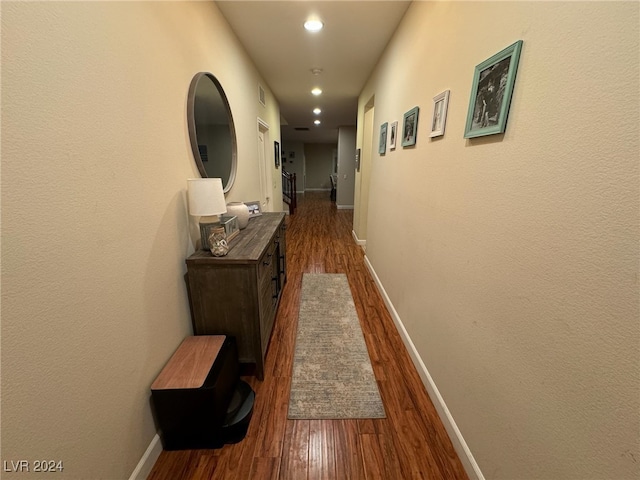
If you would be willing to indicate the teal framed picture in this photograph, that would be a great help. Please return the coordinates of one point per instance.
(382, 144)
(491, 91)
(410, 127)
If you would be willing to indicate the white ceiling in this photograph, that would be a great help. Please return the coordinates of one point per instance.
(354, 35)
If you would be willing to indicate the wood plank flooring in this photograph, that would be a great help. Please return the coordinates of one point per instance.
(411, 443)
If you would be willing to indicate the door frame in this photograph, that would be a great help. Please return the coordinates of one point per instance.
(264, 164)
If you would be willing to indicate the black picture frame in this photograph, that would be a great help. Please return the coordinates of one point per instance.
(276, 154)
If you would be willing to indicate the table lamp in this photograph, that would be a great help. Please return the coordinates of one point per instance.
(206, 200)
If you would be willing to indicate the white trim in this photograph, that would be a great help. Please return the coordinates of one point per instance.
(357, 240)
(148, 460)
(344, 207)
(463, 451)
(265, 166)
(262, 125)
(317, 189)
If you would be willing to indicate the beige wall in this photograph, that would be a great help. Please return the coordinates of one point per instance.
(318, 160)
(513, 261)
(95, 157)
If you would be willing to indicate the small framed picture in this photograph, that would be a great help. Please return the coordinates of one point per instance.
(382, 145)
(276, 153)
(202, 149)
(410, 127)
(357, 160)
(254, 209)
(439, 119)
(491, 91)
(393, 135)
(262, 96)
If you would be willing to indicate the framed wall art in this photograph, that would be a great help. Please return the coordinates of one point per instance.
(382, 145)
(439, 118)
(276, 153)
(491, 91)
(202, 149)
(393, 135)
(410, 127)
(254, 209)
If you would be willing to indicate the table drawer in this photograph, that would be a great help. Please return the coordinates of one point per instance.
(265, 265)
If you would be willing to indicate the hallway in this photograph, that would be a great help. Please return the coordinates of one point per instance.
(411, 443)
(511, 259)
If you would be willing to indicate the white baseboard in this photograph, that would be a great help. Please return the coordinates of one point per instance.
(344, 207)
(148, 460)
(317, 189)
(463, 451)
(362, 243)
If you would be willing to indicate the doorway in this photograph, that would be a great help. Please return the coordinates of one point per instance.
(264, 156)
(361, 208)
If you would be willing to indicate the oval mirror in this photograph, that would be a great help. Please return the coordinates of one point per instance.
(211, 130)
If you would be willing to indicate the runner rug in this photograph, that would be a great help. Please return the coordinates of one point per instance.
(332, 373)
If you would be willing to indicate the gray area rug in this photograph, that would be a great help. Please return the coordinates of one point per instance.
(332, 373)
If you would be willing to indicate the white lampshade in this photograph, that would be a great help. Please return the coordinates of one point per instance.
(206, 197)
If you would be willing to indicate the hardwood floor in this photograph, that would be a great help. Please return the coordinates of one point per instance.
(411, 443)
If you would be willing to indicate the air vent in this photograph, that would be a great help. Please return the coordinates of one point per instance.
(302, 129)
(261, 96)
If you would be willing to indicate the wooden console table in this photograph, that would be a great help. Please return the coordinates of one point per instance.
(238, 294)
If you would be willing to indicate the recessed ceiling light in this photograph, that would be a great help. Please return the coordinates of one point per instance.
(316, 91)
(313, 25)
(317, 111)
(317, 122)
